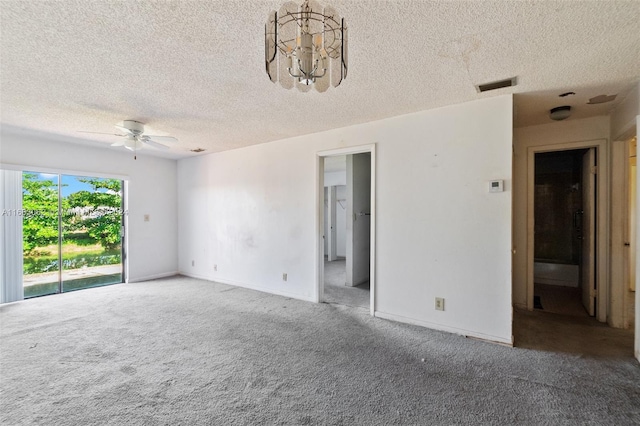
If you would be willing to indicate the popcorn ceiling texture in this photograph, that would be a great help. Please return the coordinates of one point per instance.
(195, 70)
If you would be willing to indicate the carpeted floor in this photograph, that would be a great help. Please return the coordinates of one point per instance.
(192, 352)
(335, 275)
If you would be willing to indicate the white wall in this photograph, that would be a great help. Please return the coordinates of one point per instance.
(625, 123)
(253, 212)
(623, 117)
(335, 178)
(152, 246)
(523, 138)
(341, 217)
(339, 180)
(341, 220)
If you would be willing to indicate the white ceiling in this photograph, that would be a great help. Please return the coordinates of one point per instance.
(195, 69)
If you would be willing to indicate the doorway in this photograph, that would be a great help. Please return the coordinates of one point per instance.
(564, 232)
(346, 231)
(601, 217)
(72, 232)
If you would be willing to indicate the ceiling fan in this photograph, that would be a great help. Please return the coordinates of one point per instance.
(134, 138)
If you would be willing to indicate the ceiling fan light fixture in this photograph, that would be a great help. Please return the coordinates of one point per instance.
(306, 46)
(560, 113)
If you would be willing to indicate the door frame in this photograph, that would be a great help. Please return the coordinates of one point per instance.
(602, 219)
(319, 248)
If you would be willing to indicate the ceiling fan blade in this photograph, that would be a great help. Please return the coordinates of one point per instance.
(100, 133)
(124, 129)
(154, 144)
(163, 139)
(118, 143)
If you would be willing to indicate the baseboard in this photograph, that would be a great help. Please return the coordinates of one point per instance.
(196, 276)
(152, 277)
(435, 326)
(250, 287)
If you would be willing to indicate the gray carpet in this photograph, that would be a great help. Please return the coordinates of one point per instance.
(192, 352)
(335, 275)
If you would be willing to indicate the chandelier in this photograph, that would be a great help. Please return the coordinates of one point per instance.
(305, 46)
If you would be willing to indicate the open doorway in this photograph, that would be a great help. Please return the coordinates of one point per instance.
(565, 229)
(347, 188)
(346, 228)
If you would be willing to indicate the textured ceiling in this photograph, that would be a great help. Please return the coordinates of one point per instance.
(194, 69)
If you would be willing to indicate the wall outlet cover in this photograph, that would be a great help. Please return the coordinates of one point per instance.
(439, 304)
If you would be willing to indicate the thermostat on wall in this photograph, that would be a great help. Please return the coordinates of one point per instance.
(496, 186)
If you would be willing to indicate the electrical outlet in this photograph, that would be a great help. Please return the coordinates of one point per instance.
(146, 218)
(284, 276)
(439, 304)
(215, 268)
(193, 263)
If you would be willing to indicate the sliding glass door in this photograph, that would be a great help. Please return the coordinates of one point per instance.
(72, 233)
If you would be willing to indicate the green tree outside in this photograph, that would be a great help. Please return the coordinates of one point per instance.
(40, 203)
(98, 213)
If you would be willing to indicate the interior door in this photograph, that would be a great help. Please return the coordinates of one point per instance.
(631, 224)
(358, 218)
(587, 267)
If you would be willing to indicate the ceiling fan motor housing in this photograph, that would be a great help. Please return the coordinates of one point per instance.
(134, 126)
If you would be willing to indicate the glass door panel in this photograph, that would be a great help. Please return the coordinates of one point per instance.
(40, 233)
(91, 232)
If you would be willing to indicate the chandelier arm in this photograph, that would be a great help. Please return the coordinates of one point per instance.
(293, 75)
(324, 71)
(310, 74)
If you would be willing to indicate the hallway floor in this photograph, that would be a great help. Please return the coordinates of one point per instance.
(561, 300)
(579, 335)
(335, 274)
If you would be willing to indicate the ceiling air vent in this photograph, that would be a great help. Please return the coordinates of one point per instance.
(497, 84)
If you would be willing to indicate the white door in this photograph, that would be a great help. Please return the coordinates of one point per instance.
(358, 218)
(631, 227)
(331, 224)
(587, 267)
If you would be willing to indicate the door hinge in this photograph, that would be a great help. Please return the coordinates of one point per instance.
(594, 170)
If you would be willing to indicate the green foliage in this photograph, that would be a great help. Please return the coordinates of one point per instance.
(40, 221)
(98, 212)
